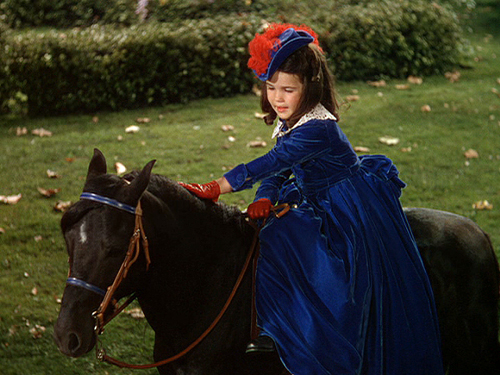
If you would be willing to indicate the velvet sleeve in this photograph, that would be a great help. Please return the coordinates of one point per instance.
(270, 187)
(304, 143)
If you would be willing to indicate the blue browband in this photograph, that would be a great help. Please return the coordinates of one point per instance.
(108, 201)
(77, 282)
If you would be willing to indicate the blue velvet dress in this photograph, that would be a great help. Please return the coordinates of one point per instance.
(341, 287)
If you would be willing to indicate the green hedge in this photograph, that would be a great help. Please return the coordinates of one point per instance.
(66, 13)
(110, 68)
(104, 68)
(394, 39)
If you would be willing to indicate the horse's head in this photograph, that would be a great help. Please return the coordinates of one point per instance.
(97, 236)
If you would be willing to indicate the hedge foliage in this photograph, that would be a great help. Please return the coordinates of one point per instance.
(106, 67)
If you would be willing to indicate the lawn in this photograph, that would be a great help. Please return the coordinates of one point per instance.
(436, 123)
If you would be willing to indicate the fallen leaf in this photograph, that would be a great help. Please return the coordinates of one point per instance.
(48, 192)
(21, 131)
(471, 154)
(352, 98)
(498, 81)
(361, 149)
(390, 141)
(120, 168)
(257, 143)
(34, 291)
(135, 313)
(38, 238)
(495, 91)
(70, 160)
(426, 108)
(62, 206)
(415, 80)
(380, 83)
(95, 119)
(406, 149)
(41, 132)
(143, 120)
(37, 331)
(482, 205)
(227, 128)
(402, 87)
(452, 76)
(231, 139)
(132, 129)
(260, 115)
(2, 231)
(10, 199)
(257, 91)
(52, 174)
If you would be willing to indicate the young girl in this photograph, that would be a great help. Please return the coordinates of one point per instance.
(341, 288)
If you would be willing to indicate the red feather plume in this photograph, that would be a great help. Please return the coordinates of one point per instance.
(262, 46)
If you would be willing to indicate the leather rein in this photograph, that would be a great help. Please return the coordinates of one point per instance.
(134, 249)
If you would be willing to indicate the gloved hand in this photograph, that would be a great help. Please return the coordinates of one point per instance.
(259, 209)
(210, 190)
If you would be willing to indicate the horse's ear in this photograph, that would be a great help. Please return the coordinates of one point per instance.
(97, 165)
(140, 183)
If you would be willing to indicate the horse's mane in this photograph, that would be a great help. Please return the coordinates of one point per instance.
(165, 192)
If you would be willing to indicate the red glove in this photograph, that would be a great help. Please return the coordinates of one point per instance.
(259, 209)
(210, 190)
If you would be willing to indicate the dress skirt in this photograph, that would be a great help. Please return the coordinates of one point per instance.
(341, 287)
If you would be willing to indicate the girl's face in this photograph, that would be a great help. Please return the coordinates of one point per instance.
(284, 91)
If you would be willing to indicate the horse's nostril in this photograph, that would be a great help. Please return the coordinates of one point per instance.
(73, 342)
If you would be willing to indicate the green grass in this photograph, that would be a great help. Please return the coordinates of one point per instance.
(189, 145)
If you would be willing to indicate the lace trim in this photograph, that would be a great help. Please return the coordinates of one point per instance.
(317, 113)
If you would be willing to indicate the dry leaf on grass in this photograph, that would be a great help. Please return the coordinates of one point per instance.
(21, 131)
(231, 139)
(390, 141)
(135, 313)
(48, 192)
(260, 115)
(62, 206)
(95, 119)
(380, 83)
(10, 199)
(352, 98)
(257, 91)
(361, 149)
(452, 76)
(52, 174)
(406, 149)
(498, 81)
(415, 80)
(41, 132)
(471, 154)
(37, 331)
(227, 128)
(120, 168)
(482, 205)
(426, 108)
(132, 129)
(495, 91)
(143, 120)
(402, 87)
(257, 143)
(2, 231)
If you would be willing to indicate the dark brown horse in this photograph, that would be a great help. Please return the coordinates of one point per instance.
(197, 250)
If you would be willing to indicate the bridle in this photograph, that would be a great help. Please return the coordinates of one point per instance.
(137, 238)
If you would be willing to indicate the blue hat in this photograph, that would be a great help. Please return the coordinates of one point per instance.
(264, 48)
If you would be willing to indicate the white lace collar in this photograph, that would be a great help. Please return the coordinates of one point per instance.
(317, 113)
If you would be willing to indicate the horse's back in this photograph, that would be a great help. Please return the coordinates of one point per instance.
(464, 274)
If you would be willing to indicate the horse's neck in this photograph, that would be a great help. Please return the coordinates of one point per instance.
(196, 258)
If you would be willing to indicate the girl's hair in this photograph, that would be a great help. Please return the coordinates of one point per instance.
(309, 64)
